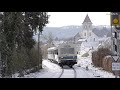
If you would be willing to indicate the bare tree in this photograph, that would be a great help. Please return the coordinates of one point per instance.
(49, 38)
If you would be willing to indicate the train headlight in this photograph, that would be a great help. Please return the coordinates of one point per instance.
(60, 57)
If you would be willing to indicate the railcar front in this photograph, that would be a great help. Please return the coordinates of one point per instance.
(67, 55)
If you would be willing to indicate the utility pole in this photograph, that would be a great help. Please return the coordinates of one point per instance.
(39, 52)
(0, 63)
(38, 49)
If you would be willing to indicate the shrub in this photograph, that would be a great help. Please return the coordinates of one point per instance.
(97, 56)
(22, 61)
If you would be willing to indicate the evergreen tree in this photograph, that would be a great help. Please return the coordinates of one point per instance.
(16, 31)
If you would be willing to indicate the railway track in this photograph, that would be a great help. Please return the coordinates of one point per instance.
(75, 73)
(63, 72)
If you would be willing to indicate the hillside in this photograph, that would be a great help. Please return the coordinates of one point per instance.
(71, 31)
(62, 32)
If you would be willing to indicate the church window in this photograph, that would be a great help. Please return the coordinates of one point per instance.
(90, 34)
(85, 27)
(89, 26)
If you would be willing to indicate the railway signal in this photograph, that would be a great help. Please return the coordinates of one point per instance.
(115, 22)
(115, 18)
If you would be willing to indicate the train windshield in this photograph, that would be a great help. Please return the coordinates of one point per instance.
(67, 50)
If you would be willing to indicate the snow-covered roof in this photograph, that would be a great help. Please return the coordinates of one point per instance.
(101, 32)
(77, 35)
(52, 48)
(89, 45)
(82, 40)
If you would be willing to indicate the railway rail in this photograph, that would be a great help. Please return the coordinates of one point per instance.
(72, 69)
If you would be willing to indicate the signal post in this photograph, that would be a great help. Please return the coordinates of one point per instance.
(115, 38)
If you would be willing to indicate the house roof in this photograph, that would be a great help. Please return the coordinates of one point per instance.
(87, 19)
(101, 33)
(109, 34)
(77, 35)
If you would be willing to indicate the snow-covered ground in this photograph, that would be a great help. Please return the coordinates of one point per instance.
(92, 71)
(51, 70)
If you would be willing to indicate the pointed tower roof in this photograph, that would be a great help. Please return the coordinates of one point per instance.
(87, 19)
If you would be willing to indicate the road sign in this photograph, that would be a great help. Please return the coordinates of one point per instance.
(115, 66)
(115, 18)
(115, 58)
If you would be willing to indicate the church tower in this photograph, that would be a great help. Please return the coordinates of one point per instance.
(87, 27)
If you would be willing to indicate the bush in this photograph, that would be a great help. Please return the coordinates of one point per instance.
(44, 51)
(97, 56)
(22, 61)
(107, 63)
(102, 58)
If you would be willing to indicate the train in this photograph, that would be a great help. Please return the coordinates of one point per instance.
(64, 54)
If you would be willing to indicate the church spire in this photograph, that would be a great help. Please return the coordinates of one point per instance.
(87, 19)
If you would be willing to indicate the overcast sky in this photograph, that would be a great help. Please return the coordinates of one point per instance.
(59, 19)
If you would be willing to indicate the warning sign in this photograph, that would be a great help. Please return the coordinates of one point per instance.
(115, 18)
(115, 58)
